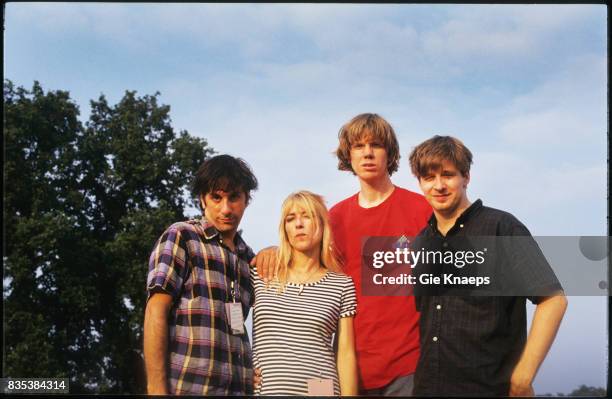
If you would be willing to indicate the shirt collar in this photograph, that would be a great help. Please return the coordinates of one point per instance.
(462, 219)
(210, 232)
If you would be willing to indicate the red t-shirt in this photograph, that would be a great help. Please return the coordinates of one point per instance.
(386, 327)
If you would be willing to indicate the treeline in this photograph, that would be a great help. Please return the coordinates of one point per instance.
(582, 390)
(83, 205)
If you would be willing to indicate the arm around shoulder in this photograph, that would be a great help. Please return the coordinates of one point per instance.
(266, 262)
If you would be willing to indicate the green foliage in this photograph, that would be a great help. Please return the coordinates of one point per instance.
(584, 390)
(83, 206)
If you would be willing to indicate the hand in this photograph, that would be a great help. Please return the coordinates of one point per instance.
(257, 377)
(520, 384)
(265, 261)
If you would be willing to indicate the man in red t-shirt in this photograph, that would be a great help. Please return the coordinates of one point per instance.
(386, 327)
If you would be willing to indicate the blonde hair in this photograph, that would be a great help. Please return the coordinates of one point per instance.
(314, 205)
(367, 126)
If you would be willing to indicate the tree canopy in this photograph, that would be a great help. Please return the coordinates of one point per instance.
(83, 206)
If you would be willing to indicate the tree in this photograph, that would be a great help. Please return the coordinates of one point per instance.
(83, 206)
(584, 390)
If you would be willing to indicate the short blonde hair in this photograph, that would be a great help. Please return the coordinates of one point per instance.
(367, 126)
(314, 205)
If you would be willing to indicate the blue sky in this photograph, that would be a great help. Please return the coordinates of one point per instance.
(524, 87)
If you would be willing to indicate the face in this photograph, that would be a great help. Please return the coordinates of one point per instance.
(445, 189)
(301, 230)
(224, 209)
(369, 159)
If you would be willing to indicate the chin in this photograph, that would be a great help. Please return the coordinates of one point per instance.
(225, 228)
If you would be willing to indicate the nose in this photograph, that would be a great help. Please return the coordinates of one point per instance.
(299, 222)
(438, 184)
(225, 207)
(368, 151)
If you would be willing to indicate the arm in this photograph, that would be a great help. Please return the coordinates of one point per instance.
(546, 320)
(346, 358)
(265, 261)
(156, 343)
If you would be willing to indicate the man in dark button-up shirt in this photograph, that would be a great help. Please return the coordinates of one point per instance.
(473, 344)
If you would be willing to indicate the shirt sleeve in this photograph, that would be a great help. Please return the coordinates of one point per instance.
(348, 306)
(167, 263)
(530, 272)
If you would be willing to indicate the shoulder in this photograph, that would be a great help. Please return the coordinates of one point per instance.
(412, 205)
(343, 205)
(254, 276)
(186, 225)
(411, 197)
(339, 278)
(506, 223)
(183, 228)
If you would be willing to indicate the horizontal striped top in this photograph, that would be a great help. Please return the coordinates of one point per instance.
(292, 331)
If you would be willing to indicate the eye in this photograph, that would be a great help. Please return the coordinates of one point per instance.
(358, 145)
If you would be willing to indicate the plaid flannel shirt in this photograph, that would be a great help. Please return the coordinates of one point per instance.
(191, 263)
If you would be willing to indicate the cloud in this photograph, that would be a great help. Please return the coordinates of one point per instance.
(567, 110)
(504, 31)
(545, 196)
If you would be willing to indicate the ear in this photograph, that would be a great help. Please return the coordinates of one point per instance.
(202, 202)
(467, 179)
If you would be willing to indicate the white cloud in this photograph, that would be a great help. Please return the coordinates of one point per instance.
(567, 110)
(560, 198)
(504, 31)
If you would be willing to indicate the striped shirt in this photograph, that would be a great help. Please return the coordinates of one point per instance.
(190, 263)
(292, 331)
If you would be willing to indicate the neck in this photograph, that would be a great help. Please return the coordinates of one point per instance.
(305, 262)
(446, 220)
(228, 238)
(375, 192)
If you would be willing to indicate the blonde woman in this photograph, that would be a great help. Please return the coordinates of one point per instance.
(295, 316)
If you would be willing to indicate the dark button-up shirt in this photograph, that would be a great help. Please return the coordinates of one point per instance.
(191, 263)
(471, 343)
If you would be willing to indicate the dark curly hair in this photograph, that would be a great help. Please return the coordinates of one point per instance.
(226, 173)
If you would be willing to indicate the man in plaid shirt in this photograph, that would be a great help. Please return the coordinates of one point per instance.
(199, 292)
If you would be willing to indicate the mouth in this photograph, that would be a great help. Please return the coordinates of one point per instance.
(301, 235)
(226, 220)
(368, 165)
(441, 197)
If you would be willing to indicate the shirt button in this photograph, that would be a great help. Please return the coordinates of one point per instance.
(461, 225)
(445, 244)
(438, 307)
(435, 339)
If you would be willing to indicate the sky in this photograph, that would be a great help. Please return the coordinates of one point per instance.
(523, 86)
